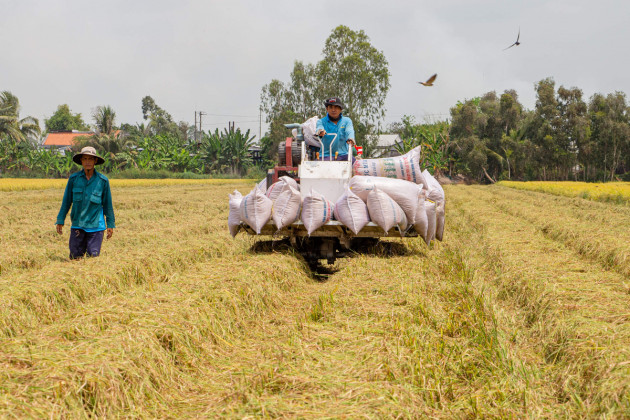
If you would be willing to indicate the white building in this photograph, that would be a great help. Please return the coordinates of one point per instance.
(385, 145)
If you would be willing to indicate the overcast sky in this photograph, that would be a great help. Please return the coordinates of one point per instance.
(215, 56)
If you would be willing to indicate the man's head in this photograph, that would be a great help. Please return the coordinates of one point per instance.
(334, 106)
(88, 152)
(88, 162)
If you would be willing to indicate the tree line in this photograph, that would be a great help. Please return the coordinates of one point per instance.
(158, 144)
(564, 137)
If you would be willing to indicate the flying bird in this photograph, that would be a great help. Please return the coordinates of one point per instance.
(430, 81)
(516, 43)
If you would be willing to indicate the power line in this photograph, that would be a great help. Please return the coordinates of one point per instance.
(229, 122)
(231, 115)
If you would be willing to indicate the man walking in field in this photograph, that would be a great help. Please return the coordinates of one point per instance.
(88, 193)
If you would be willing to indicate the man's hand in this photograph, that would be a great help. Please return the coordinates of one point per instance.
(321, 133)
(110, 232)
(350, 142)
(59, 229)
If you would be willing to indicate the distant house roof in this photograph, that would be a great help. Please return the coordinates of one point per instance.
(387, 140)
(67, 138)
(64, 138)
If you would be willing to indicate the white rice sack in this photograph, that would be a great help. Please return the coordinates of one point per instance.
(405, 167)
(290, 181)
(385, 212)
(286, 208)
(351, 211)
(256, 209)
(430, 209)
(316, 211)
(308, 129)
(440, 216)
(277, 187)
(436, 192)
(262, 185)
(403, 192)
(234, 218)
(421, 225)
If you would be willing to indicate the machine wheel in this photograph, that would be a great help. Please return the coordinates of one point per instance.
(363, 244)
(295, 153)
(314, 249)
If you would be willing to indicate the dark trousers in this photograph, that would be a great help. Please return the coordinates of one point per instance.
(82, 242)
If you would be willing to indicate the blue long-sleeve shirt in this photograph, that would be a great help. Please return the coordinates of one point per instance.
(91, 201)
(344, 130)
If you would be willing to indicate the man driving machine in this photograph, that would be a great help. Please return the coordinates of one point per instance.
(335, 123)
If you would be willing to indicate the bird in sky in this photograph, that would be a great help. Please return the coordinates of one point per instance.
(430, 81)
(516, 43)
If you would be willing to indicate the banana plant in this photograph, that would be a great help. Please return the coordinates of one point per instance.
(211, 150)
(65, 165)
(433, 139)
(237, 146)
(46, 162)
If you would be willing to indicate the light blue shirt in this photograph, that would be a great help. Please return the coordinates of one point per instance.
(344, 130)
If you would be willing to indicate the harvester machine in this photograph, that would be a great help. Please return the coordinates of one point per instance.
(330, 178)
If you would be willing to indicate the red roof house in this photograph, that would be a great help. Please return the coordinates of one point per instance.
(67, 139)
(63, 139)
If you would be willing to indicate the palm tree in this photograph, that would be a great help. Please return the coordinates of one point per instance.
(110, 144)
(104, 117)
(11, 126)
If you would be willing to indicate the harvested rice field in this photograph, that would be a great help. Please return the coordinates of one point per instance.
(522, 312)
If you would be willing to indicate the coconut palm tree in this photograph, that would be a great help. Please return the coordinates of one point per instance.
(104, 117)
(11, 126)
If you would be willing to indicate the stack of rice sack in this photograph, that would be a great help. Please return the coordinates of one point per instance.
(281, 202)
(418, 194)
(391, 192)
